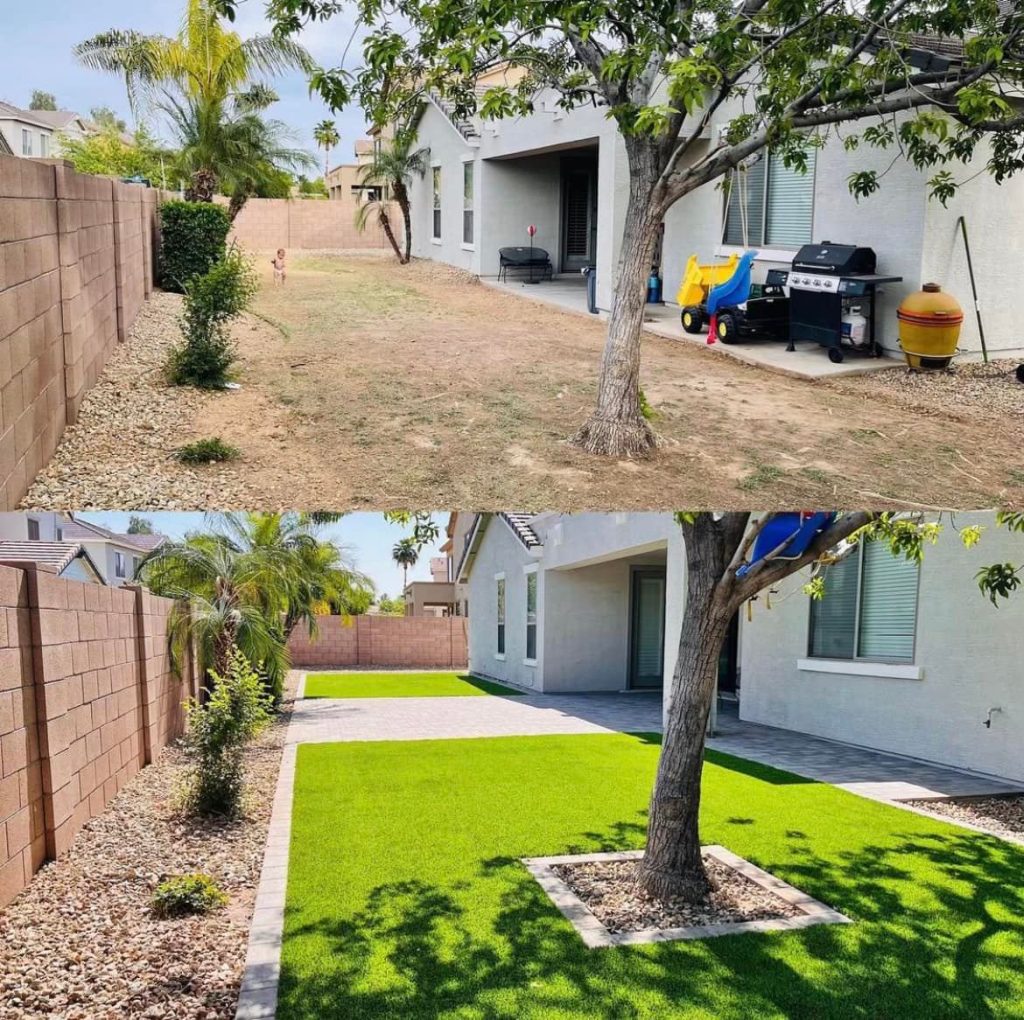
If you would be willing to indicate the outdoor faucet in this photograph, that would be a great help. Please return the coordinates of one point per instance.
(988, 721)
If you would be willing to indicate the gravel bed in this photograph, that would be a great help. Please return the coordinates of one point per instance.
(120, 451)
(606, 887)
(81, 943)
(1002, 816)
(990, 392)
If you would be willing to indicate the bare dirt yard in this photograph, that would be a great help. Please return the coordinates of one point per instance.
(368, 384)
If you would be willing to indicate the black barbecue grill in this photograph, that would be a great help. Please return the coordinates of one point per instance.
(825, 281)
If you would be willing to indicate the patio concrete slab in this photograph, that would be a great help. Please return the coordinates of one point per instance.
(808, 361)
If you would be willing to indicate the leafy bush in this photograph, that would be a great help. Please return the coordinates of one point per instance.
(206, 451)
(236, 710)
(193, 240)
(211, 302)
(181, 895)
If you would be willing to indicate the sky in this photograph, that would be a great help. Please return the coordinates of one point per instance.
(366, 538)
(38, 39)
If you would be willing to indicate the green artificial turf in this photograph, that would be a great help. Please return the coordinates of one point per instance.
(400, 685)
(406, 897)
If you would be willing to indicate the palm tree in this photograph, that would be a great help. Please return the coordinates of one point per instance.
(392, 169)
(405, 554)
(327, 137)
(248, 582)
(205, 66)
(219, 605)
(227, 146)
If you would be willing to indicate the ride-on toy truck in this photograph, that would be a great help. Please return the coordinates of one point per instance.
(697, 283)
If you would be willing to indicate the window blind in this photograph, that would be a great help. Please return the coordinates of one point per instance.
(888, 605)
(834, 617)
(790, 204)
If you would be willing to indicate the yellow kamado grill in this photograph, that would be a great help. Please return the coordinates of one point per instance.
(930, 323)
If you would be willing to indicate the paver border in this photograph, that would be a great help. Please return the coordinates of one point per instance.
(257, 998)
(596, 936)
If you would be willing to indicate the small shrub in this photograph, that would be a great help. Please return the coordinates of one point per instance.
(193, 237)
(212, 300)
(206, 451)
(181, 895)
(647, 412)
(236, 710)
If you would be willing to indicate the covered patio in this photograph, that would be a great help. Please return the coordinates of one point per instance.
(568, 292)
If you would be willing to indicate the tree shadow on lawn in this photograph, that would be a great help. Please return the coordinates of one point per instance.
(949, 944)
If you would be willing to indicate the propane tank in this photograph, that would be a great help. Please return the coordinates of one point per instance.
(929, 327)
(855, 328)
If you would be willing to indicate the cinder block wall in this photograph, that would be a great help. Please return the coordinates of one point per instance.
(87, 698)
(383, 641)
(266, 224)
(22, 817)
(77, 259)
(32, 396)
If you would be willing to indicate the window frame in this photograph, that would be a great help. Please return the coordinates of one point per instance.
(765, 242)
(44, 145)
(33, 523)
(531, 615)
(469, 204)
(857, 658)
(436, 224)
(500, 612)
(26, 142)
(120, 564)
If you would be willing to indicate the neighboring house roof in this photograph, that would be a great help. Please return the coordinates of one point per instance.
(59, 119)
(57, 556)
(84, 531)
(363, 147)
(518, 524)
(10, 112)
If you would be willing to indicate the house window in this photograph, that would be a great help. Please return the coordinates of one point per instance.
(467, 203)
(777, 204)
(436, 184)
(135, 566)
(44, 146)
(119, 564)
(26, 142)
(869, 611)
(33, 530)
(501, 616)
(531, 616)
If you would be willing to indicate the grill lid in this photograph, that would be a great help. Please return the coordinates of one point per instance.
(834, 259)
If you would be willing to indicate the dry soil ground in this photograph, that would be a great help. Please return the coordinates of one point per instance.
(368, 384)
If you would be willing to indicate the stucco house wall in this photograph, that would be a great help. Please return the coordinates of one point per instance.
(501, 552)
(968, 654)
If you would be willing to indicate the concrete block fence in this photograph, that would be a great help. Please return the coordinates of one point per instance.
(87, 698)
(77, 258)
(266, 224)
(410, 642)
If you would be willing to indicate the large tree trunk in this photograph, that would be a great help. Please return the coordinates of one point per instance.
(237, 204)
(402, 198)
(617, 428)
(672, 866)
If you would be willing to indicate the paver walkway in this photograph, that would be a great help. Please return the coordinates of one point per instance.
(871, 774)
(321, 719)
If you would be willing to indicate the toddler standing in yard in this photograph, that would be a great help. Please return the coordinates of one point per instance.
(279, 268)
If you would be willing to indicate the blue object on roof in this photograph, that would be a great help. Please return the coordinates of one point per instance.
(736, 289)
(786, 536)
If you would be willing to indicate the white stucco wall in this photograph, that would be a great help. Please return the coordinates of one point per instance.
(501, 552)
(968, 651)
(447, 149)
(994, 215)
